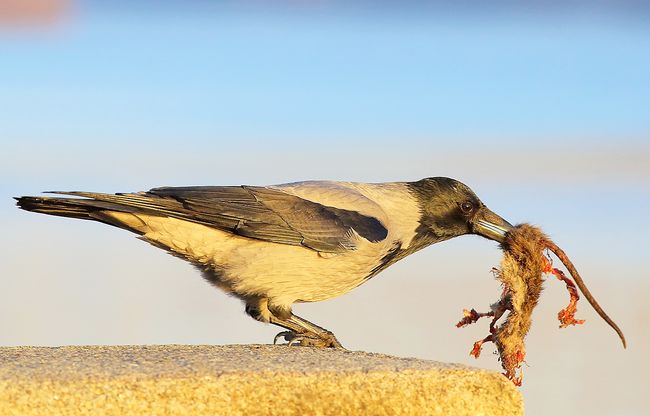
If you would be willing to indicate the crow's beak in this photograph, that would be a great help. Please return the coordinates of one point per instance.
(490, 225)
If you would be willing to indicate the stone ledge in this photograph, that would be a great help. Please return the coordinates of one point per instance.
(242, 380)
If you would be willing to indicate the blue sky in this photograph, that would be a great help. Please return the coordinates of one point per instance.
(124, 73)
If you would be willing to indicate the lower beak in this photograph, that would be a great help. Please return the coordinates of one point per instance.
(490, 225)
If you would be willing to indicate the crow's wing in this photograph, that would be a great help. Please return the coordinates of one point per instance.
(255, 212)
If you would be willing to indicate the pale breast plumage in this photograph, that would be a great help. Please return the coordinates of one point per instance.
(285, 272)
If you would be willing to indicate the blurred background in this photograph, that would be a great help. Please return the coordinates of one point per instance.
(543, 108)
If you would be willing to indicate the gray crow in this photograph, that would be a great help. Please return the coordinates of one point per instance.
(277, 245)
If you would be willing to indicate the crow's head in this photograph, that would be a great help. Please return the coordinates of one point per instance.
(449, 209)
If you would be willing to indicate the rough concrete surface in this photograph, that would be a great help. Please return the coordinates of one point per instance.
(242, 380)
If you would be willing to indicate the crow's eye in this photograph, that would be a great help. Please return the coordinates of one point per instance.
(466, 207)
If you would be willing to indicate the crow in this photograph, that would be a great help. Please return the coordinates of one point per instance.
(273, 246)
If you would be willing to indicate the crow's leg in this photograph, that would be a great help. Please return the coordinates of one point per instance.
(257, 308)
(301, 331)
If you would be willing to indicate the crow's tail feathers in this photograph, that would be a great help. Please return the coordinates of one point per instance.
(81, 208)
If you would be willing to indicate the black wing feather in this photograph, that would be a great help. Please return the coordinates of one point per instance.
(255, 212)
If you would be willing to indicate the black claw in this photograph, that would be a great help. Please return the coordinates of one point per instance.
(287, 335)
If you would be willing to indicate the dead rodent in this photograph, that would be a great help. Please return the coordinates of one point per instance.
(520, 273)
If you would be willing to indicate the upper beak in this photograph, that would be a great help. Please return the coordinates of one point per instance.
(490, 225)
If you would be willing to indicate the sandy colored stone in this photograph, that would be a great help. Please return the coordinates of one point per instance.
(242, 380)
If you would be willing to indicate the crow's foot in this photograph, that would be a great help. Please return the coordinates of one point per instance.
(324, 339)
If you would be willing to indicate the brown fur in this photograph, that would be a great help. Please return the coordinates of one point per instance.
(520, 272)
